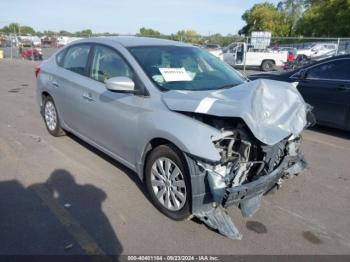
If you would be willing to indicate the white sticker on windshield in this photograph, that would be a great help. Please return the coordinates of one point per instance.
(175, 74)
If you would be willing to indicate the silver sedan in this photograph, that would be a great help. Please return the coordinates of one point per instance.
(199, 135)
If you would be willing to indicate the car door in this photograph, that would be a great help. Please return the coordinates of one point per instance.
(230, 55)
(326, 86)
(109, 118)
(67, 81)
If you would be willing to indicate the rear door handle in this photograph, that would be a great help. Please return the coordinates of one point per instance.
(88, 97)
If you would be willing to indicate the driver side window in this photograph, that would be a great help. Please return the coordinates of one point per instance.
(107, 63)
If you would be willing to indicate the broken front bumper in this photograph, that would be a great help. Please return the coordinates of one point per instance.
(247, 197)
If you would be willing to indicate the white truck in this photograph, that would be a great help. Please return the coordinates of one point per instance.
(238, 53)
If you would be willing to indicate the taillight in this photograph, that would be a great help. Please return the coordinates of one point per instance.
(37, 71)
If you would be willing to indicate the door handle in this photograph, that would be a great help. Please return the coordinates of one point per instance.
(54, 83)
(88, 97)
(343, 88)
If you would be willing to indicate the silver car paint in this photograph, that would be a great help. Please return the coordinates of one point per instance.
(121, 124)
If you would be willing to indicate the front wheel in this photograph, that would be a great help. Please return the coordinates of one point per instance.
(168, 182)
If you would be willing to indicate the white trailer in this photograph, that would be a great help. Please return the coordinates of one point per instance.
(237, 54)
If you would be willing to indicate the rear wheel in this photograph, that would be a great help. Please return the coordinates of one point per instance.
(51, 118)
(168, 182)
(267, 65)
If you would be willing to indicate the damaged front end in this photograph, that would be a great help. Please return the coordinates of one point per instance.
(247, 170)
(258, 140)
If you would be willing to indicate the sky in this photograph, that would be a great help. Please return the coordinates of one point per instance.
(128, 16)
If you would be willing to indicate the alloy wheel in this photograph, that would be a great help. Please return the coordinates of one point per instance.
(50, 116)
(168, 184)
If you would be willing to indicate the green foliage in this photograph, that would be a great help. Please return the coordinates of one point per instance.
(222, 40)
(327, 18)
(188, 36)
(148, 32)
(15, 28)
(12, 28)
(265, 17)
(26, 30)
(65, 33)
(84, 33)
(309, 18)
(292, 11)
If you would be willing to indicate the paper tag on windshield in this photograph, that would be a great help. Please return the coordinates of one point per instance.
(175, 74)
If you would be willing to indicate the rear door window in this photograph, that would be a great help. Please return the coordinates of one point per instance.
(76, 58)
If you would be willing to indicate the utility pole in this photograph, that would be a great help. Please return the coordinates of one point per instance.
(245, 49)
(336, 53)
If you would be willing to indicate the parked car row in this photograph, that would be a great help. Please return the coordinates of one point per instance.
(241, 54)
(32, 54)
(35, 41)
(319, 50)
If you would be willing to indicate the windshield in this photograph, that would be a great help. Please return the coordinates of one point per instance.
(185, 68)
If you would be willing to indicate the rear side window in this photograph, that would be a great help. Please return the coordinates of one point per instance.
(76, 58)
(59, 57)
(336, 70)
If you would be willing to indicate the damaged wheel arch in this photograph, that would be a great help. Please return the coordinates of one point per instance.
(168, 181)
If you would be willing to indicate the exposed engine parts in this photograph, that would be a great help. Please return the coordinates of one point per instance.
(247, 169)
(273, 155)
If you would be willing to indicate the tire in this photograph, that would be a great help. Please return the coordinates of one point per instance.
(177, 188)
(267, 65)
(51, 117)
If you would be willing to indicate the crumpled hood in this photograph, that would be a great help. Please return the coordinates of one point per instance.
(272, 110)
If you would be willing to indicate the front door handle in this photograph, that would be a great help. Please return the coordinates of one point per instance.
(343, 88)
(88, 97)
(55, 84)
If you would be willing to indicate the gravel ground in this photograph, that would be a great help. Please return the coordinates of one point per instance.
(61, 196)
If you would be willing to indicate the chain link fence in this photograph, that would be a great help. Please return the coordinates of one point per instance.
(257, 53)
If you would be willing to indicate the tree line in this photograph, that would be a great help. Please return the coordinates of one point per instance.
(289, 18)
(308, 18)
(15, 28)
(189, 36)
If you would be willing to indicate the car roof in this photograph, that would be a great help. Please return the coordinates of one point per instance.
(326, 60)
(129, 41)
(305, 66)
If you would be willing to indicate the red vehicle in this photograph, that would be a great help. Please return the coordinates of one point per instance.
(32, 54)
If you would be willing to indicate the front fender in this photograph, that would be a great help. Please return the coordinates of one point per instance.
(189, 135)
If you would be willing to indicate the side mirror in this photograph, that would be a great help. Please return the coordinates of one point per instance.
(120, 83)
